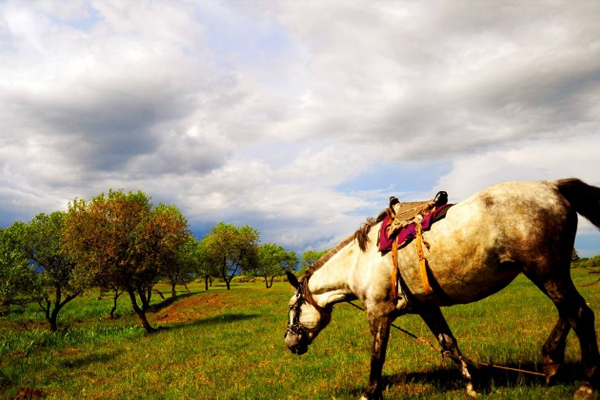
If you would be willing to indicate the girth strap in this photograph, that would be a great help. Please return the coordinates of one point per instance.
(395, 280)
(422, 259)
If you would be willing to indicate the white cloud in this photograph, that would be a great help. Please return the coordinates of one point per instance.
(256, 112)
(538, 160)
(534, 160)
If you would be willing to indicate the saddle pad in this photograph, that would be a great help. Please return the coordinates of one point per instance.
(408, 233)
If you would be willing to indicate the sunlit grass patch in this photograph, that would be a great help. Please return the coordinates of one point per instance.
(229, 345)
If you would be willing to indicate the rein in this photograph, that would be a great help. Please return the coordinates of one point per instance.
(446, 353)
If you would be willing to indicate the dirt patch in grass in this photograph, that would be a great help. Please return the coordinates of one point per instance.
(194, 307)
(69, 352)
(17, 354)
(26, 324)
(29, 393)
(200, 306)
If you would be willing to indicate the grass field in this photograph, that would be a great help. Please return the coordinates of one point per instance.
(229, 345)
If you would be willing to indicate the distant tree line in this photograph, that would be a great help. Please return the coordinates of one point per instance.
(591, 263)
(123, 244)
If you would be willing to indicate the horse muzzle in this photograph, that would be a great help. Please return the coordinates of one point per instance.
(296, 343)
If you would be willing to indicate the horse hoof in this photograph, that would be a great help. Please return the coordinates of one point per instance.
(551, 372)
(585, 392)
(377, 397)
(472, 393)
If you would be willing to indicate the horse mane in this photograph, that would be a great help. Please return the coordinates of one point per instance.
(361, 236)
(326, 257)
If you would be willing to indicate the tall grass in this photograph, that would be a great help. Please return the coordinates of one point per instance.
(229, 345)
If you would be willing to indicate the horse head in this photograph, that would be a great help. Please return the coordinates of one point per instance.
(306, 317)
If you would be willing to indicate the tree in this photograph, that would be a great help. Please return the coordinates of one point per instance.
(18, 281)
(203, 265)
(309, 257)
(592, 263)
(574, 256)
(230, 248)
(42, 246)
(272, 260)
(121, 241)
(116, 293)
(180, 271)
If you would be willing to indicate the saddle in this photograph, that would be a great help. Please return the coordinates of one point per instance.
(405, 221)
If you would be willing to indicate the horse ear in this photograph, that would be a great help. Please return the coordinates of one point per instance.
(292, 279)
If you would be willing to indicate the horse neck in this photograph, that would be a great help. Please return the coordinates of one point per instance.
(329, 284)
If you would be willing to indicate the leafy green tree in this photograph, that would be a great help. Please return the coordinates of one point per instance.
(592, 263)
(272, 260)
(230, 249)
(309, 257)
(121, 241)
(18, 281)
(574, 255)
(577, 261)
(42, 246)
(181, 270)
(204, 267)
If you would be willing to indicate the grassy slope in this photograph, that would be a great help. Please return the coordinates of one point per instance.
(229, 345)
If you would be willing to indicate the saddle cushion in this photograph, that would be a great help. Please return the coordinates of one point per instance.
(408, 233)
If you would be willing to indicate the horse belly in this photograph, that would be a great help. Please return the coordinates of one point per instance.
(465, 264)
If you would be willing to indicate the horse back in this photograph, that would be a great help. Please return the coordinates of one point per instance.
(485, 241)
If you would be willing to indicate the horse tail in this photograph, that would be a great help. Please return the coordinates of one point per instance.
(584, 198)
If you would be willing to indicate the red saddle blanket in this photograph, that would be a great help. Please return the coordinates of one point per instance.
(408, 233)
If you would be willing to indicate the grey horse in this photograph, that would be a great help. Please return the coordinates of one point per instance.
(481, 245)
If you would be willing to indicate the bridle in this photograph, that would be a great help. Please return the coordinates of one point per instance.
(302, 294)
(295, 327)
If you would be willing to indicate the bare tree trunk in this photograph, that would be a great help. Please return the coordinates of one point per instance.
(186, 288)
(115, 298)
(162, 296)
(224, 272)
(52, 321)
(52, 314)
(148, 293)
(206, 278)
(140, 311)
(173, 292)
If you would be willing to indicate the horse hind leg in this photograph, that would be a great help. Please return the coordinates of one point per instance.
(572, 310)
(554, 350)
(436, 322)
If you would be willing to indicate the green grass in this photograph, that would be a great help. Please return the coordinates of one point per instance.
(229, 345)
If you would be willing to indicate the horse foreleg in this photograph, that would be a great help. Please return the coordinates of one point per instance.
(554, 349)
(439, 327)
(380, 333)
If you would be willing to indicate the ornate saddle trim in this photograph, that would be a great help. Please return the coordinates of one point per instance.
(404, 222)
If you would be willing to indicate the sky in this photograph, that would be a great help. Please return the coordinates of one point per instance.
(297, 118)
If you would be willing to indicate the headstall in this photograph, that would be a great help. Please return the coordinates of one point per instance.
(302, 293)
